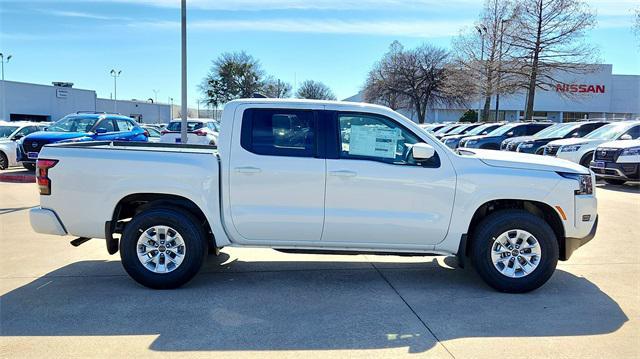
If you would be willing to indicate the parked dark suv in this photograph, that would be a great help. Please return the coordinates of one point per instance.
(453, 141)
(533, 144)
(492, 140)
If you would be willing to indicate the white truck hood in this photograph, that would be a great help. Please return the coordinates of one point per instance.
(525, 161)
(621, 144)
(574, 141)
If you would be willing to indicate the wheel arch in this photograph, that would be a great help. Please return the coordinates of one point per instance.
(539, 209)
(132, 204)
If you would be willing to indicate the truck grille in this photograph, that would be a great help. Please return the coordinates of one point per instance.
(33, 145)
(551, 150)
(607, 154)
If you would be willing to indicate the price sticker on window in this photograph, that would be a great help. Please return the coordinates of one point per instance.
(374, 141)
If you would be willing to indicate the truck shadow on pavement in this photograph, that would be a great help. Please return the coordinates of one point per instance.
(288, 305)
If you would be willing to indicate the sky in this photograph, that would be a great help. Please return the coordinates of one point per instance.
(333, 41)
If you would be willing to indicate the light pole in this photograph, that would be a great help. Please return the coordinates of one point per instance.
(4, 102)
(482, 30)
(115, 74)
(183, 30)
(499, 68)
(155, 96)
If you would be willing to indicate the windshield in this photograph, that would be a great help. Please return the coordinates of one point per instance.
(502, 129)
(177, 125)
(480, 129)
(73, 124)
(459, 130)
(6, 131)
(609, 132)
(444, 129)
(554, 130)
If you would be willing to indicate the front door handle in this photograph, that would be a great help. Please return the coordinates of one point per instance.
(248, 169)
(343, 173)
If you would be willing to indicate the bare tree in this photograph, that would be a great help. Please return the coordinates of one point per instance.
(315, 90)
(636, 23)
(478, 54)
(418, 78)
(276, 88)
(549, 37)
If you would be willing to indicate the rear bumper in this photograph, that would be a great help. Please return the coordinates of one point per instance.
(46, 221)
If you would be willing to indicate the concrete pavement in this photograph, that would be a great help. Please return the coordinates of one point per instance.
(61, 301)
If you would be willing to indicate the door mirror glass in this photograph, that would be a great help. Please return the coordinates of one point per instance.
(422, 151)
(626, 137)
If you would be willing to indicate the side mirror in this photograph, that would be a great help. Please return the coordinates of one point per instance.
(422, 151)
(100, 130)
(626, 137)
(510, 134)
(16, 137)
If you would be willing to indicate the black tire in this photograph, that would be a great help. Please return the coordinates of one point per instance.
(586, 159)
(186, 225)
(500, 222)
(615, 181)
(30, 166)
(4, 161)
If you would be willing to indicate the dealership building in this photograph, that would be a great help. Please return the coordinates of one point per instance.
(23, 101)
(598, 94)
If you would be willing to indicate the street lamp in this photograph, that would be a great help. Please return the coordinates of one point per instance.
(4, 102)
(3, 60)
(504, 21)
(482, 30)
(155, 97)
(115, 74)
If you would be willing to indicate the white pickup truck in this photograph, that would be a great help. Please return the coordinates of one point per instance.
(317, 176)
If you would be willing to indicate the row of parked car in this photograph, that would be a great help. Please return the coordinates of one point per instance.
(21, 142)
(611, 149)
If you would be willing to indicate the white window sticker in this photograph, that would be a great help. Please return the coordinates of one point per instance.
(374, 141)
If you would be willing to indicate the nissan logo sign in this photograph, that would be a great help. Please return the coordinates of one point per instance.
(34, 144)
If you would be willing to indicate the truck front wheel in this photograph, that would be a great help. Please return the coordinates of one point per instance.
(163, 248)
(514, 251)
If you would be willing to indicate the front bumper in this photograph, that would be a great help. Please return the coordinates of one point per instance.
(46, 221)
(571, 243)
(623, 171)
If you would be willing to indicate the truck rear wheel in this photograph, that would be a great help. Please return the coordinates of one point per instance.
(163, 248)
(514, 251)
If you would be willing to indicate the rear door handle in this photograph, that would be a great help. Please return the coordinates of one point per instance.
(343, 173)
(248, 170)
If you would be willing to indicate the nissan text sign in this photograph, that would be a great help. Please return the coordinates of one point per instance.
(580, 88)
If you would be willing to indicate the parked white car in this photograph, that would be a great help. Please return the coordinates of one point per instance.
(153, 133)
(10, 134)
(200, 131)
(580, 150)
(282, 177)
(617, 162)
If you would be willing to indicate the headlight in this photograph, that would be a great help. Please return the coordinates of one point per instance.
(584, 182)
(571, 148)
(632, 151)
(526, 145)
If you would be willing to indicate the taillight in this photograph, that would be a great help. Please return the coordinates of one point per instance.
(42, 175)
(200, 133)
(146, 133)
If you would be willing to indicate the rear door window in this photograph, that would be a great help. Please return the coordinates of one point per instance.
(279, 132)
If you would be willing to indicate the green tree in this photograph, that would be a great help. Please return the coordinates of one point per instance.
(232, 75)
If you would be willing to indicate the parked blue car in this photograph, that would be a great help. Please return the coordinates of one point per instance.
(80, 127)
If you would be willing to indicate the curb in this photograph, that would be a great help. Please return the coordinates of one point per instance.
(17, 178)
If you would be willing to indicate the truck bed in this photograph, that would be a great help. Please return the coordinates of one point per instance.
(140, 146)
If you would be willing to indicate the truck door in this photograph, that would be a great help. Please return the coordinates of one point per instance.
(277, 176)
(377, 194)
